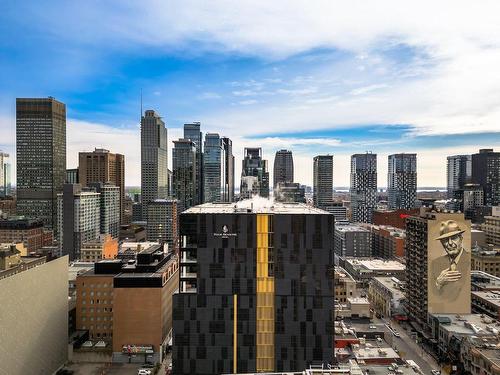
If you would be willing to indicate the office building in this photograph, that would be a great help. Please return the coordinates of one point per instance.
(34, 323)
(486, 172)
(5, 184)
(228, 160)
(430, 237)
(78, 219)
(283, 167)
(254, 175)
(363, 187)
(345, 285)
(109, 207)
(472, 198)
(363, 270)
(338, 210)
(458, 173)
(250, 290)
(387, 242)
(213, 168)
(487, 303)
(132, 233)
(154, 159)
(103, 247)
(491, 227)
(162, 223)
(128, 304)
(193, 133)
(402, 181)
(104, 167)
(30, 232)
(184, 173)
(352, 241)
(323, 181)
(40, 157)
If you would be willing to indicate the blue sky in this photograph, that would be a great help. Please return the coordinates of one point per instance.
(320, 77)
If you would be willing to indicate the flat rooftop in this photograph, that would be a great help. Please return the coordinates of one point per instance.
(375, 264)
(467, 324)
(351, 228)
(492, 297)
(392, 285)
(256, 205)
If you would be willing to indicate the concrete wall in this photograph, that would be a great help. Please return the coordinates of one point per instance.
(34, 320)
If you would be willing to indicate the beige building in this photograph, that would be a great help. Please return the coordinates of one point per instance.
(103, 247)
(386, 295)
(34, 319)
(486, 259)
(491, 227)
(345, 285)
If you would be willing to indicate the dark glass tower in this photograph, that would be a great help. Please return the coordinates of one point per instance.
(402, 181)
(228, 182)
(184, 173)
(192, 132)
(283, 167)
(256, 289)
(41, 157)
(323, 181)
(486, 172)
(254, 174)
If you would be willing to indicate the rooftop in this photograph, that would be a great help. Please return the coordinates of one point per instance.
(492, 296)
(468, 324)
(255, 205)
(375, 264)
(351, 228)
(392, 284)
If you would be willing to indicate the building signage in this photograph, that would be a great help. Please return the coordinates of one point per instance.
(137, 349)
(224, 233)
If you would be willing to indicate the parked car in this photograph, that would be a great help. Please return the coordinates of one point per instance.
(144, 371)
(436, 372)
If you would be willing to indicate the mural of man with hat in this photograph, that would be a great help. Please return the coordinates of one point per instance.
(449, 270)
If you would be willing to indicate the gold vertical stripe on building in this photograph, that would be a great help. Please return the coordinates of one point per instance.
(235, 334)
(265, 299)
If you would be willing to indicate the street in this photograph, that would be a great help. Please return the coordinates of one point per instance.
(409, 349)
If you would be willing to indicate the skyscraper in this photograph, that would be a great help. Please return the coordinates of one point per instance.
(213, 168)
(228, 160)
(103, 166)
(402, 181)
(283, 167)
(252, 296)
(154, 159)
(192, 132)
(41, 157)
(5, 184)
(486, 172)
(109, 207)
(162, 222)
(78, 218)
(323, 181)
(184, 173)
(363, 186)
(254, 174)
(458, 173)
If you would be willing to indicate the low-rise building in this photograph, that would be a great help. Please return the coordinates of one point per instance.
(483, 281)
(386, 295)
(486, 259)
(486, 302)
(352, 241)
(481, 355)
(345, 285)
(13, 259)
(387, 242)
(363, 270)
(128, 304)
(30, 232)
(103, 247)
(132, 233)
(393, 218)
(491, 227)
(354, 308)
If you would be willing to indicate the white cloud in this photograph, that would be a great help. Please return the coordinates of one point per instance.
(209, 95)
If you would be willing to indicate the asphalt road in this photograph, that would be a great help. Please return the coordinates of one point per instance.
(409, 349)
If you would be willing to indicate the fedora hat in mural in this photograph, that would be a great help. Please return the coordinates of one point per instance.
(449, 228)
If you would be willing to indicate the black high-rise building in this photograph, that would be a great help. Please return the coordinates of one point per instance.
(264, 273)
(41, 157)
(283, 167)
(254, 174)
(486, 172)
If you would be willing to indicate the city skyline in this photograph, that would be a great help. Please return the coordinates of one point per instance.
(388, 87)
